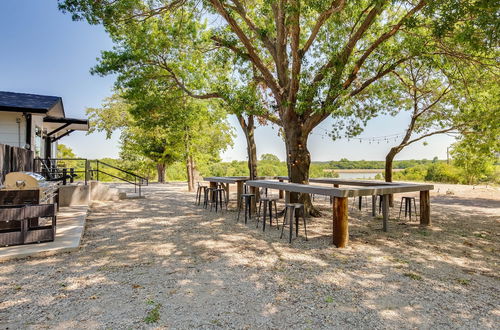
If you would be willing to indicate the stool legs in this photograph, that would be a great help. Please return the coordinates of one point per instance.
(408, 207)
(246, 202)
(290, 216)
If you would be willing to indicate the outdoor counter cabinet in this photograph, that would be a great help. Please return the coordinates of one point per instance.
(341, 195)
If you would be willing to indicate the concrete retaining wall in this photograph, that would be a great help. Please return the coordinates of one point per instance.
(71, 195)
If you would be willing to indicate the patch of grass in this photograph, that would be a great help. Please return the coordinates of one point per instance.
(153, 315)
(329, 299)
(413, 276)
(17, 287)
(424, 233)
(401, 261)
(463, 281)
(216, 322)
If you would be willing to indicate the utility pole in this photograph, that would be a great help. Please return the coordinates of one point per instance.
(448, 155)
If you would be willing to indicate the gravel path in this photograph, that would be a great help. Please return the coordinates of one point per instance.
(161, 262)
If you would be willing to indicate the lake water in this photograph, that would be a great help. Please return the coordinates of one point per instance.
(358, 175)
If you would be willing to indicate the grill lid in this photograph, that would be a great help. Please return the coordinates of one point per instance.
(24, 180)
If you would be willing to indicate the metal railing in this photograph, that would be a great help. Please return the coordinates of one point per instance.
(53, 170)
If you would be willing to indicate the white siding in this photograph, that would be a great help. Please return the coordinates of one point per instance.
(10, 132)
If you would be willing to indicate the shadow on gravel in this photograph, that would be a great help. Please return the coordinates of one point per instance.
(205, 270)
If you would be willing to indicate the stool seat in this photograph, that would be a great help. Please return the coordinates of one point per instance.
(295, 205)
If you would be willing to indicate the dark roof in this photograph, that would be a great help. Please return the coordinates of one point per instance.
(10, 101)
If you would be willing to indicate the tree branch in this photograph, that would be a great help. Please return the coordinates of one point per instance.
(385, 36)
(336, 6)
(253, 56)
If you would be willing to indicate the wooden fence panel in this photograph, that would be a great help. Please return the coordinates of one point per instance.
(4, 161)
(21, 160)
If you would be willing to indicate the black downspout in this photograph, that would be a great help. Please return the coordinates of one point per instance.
(48, 147)
(28, 131)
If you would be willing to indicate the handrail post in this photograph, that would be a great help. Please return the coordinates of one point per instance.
(64, 176)
(97, 165)
(86, 171)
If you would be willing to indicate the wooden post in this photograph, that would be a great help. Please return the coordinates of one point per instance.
(340, 222)
(211, 197)
(226, 188)
(385, 211)
(239, 191)
(374, 205)
(425, 208)
(281, 191)
(253, 202)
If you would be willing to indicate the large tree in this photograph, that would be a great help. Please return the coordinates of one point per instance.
(313, 57)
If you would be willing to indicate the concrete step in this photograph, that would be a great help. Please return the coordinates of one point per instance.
(131, 195)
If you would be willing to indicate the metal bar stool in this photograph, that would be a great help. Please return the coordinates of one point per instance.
(408, 201)
(218, 198)
(246, 202)
(292, 211)
(268, 204)
(209, 196)
(201, 188)
(360, 202)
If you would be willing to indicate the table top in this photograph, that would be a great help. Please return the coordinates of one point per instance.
(235, 179)
(353, 182)
(374, 189)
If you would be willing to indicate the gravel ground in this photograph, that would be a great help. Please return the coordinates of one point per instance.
(162, 262)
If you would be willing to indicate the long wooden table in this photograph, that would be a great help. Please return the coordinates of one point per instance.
(225, 181)
(341, 195)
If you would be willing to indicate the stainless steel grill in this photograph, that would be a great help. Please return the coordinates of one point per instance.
(16, 181)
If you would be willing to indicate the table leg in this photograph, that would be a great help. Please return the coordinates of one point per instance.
(212, 185)
(239, 191)
(425, 208)
(281, 191)
(374, 205)
(226, 188)
(340, 222)
(385, 211)
(253, 204)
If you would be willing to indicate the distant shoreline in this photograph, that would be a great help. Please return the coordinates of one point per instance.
(353, 170)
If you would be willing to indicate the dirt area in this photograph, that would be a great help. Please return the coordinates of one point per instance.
(162, 262)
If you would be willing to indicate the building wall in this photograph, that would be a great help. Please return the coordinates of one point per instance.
(38, 142)
(12, 133)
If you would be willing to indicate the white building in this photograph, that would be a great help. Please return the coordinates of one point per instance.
(35, 122)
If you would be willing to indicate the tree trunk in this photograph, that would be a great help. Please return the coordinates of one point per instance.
(160, 167)
(388, 170)
(190, 172)
(249, 130)
(298, 160)
(189, 162)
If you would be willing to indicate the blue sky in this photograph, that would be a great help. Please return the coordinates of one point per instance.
(45, 52)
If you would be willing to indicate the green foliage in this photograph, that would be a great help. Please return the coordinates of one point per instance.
(442, 172)
(64, 151)
(269, 158)
(475, 159)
